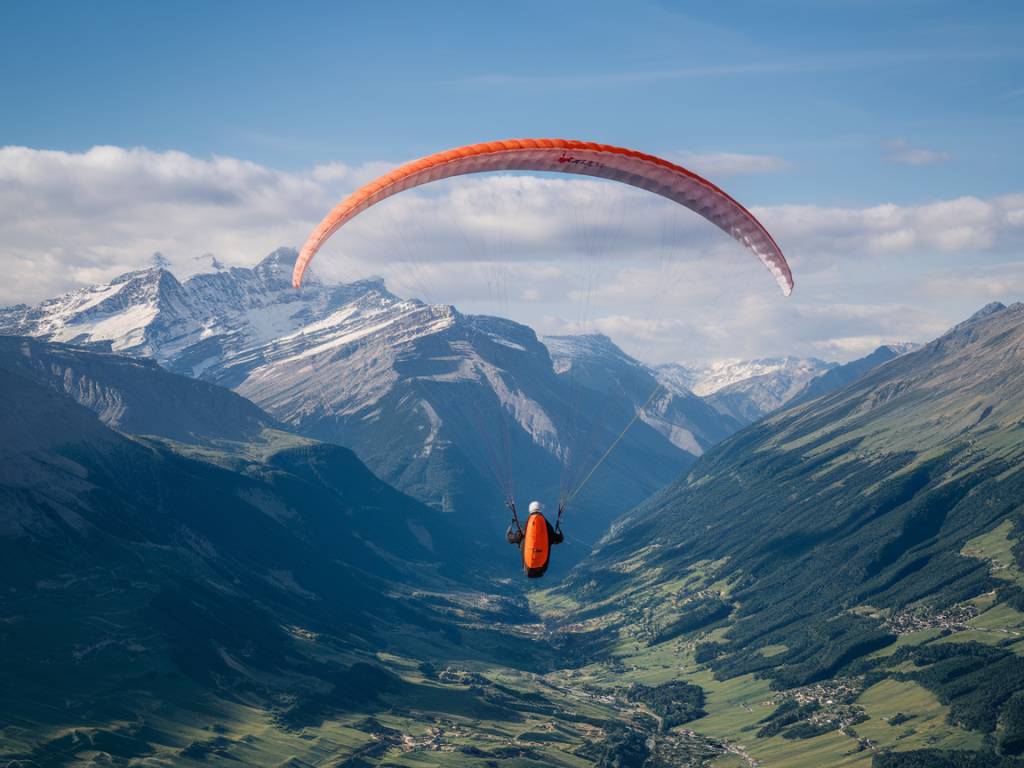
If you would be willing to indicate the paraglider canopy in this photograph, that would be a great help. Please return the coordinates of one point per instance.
(647, 172)
(628, 166)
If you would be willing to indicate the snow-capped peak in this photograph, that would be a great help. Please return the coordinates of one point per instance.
(118, 314)
(587, 348)
(275, 269)
(214, 263)
(706, 379)
(901, 347)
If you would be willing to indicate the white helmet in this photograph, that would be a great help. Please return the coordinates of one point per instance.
(536, 506)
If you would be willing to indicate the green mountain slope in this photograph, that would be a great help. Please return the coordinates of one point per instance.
(145, 590)
(868, 536)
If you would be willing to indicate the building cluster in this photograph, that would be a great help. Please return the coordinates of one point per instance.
(955, 618)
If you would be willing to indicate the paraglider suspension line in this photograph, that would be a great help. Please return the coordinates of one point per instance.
(611, 448)
(515, 517)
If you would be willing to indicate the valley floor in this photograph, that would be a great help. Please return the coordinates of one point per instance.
(474, 713)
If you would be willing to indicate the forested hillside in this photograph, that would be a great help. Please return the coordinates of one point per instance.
(868, 537)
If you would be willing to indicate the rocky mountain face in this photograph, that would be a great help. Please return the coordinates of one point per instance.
(137, 396)
(453, 409)
(746, 390)
(864, 543)
(593, 362)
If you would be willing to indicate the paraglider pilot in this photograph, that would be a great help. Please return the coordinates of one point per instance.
(536, 540)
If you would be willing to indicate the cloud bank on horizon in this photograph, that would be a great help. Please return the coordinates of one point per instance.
(656, 278)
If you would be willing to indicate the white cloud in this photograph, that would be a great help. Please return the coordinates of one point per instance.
(716, 164)
(73, 218)
(898, 151)
(986, 282)
(962, 224)
(849, 346)
(1015, 215)
(559, 254)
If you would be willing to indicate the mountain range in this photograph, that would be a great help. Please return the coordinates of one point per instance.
(706, 379)
(746, 390)
(457, 410)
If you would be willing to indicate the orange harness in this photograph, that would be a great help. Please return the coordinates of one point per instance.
(536, 547)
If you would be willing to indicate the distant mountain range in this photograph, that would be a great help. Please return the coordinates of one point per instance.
(746, 390)
(707, 379)
(137, 407)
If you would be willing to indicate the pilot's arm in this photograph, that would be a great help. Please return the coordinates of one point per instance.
(555, 535)
(514, 535)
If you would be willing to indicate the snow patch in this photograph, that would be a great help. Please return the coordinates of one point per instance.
(126, 330)
(704, 380)
(435, 427)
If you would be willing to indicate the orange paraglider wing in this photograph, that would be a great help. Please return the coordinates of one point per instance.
(561, 156)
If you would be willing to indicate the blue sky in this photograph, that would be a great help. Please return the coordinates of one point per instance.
(835, 104)
(823, 84)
